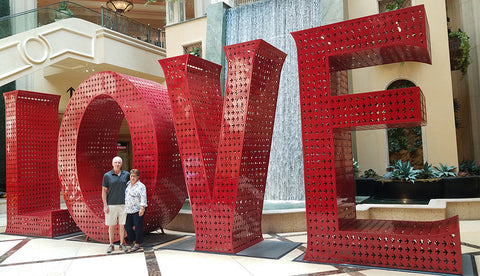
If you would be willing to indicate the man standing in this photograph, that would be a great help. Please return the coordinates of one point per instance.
(113, 197)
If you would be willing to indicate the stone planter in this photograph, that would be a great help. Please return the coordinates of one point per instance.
(461, 187)
(365, 186)
(399, 189)
(449, 187)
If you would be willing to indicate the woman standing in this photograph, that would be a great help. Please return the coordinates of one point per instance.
(135, 204)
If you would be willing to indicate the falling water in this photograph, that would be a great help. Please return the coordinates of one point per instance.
(273, 21)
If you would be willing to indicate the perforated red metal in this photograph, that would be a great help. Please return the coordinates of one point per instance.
(88, 142)
(33, 187)
(334, 233)
(225, 156)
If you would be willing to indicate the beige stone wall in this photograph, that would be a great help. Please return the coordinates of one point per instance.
(185, 33)
(281, 221)
(439, 140)
(470, 85)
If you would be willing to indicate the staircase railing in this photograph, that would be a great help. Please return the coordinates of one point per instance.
(24, 21)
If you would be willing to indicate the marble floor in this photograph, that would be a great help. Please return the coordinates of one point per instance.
(22, 255)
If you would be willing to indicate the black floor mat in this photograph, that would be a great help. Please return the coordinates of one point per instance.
(265, 249)
(469, 266)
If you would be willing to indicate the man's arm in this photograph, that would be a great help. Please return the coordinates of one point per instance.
(104, 199)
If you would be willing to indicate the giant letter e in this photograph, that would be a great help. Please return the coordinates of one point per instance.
(334, 233)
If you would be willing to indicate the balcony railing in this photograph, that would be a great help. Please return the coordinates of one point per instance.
(24, 21)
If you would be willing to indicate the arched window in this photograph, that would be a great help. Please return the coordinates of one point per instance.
(405, 143)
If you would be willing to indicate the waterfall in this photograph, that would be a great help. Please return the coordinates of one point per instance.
(273, 21)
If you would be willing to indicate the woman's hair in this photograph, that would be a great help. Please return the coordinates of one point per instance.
(135, 171)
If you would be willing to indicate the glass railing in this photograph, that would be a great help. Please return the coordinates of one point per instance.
(244, 2)
(21, 22)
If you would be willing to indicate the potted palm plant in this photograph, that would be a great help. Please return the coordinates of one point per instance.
(63, 11)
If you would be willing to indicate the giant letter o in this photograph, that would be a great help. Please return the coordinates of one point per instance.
(88, 141)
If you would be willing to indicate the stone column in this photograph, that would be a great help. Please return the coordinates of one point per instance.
(216, 24)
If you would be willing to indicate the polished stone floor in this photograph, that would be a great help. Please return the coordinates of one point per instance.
(22, 255)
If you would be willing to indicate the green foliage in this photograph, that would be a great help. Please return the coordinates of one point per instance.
(402, 83)
(395, 5)
(397, 140)
(402, 171)
(356, 167)
(468, 167)
(456, 111)
(418, 143)
(369, 174)
(366, 174)
(417, 131)
(428, 171)
(446, 171)
(195, 51)
(63, 10)
(464, 60)
(404, 139)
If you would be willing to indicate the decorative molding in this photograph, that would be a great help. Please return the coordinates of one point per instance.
(29, 51)
(66, 36)
(12, 51)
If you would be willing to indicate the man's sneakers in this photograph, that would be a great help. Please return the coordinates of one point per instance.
(123, 247)
(111, 248)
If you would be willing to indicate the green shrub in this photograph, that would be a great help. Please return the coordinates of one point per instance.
(369, 174)
(446, 171)
(428, 171)
(468, 167)
(402, 171)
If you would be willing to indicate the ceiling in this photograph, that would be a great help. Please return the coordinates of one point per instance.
(153, 13)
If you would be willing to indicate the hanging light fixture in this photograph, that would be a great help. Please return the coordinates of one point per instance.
(120, 6)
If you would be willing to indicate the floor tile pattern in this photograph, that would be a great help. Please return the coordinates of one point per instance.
(22, 255)
(44, 256)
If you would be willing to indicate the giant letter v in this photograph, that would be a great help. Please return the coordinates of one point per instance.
(225, 156)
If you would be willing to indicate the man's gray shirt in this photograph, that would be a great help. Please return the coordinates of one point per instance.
(116, 185)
